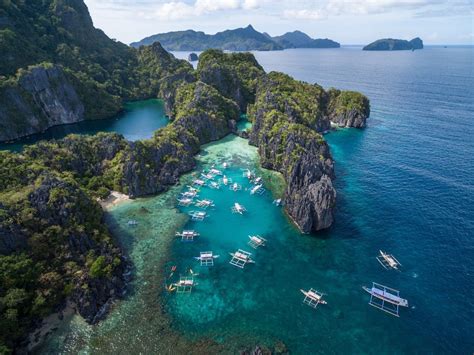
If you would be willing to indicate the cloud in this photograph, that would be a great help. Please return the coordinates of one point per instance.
(332, 8)
(305, 14)
(177, 10)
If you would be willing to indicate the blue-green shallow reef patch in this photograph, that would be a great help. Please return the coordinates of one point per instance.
(138, 120)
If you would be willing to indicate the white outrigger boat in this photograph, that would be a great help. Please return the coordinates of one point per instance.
(225, 180)
(225, 165)
(214, 185)
(185, 284)
(197, 215)
(206, 258)
(388, 261)
(187, 235)
(132, 222)
(186, 201)
(204, 203)
(189, 194)
(235, 187)
(313, 298)
(199, 182)
(385, 298)
(238, 208)
(214, 171)
(207, 176)
(257, 189)
(257, 180)
(248, 174)
(240, 258)
(256, 241)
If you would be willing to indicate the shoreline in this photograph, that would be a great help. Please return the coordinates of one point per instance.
(47, 326)
(114, 199)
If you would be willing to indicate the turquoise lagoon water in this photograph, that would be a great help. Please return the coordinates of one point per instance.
(138, 120)
(404, 185)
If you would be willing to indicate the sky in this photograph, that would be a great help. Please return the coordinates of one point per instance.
(345, 21)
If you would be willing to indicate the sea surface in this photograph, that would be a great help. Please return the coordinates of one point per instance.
(138, 120)
(405, 185)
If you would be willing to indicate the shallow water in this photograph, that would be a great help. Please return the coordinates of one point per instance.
(404, 185)
(138, 121)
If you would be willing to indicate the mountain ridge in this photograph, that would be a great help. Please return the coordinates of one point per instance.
(239, 39)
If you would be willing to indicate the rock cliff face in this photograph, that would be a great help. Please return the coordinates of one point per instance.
(41, 98)
(288, 142)
(91, 74)
(200, 115)
(348, 108)
(107, 161)
(234, 75)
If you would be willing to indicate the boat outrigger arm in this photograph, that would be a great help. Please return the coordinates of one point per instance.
(385, 298)
(313, 298)
(388, 261)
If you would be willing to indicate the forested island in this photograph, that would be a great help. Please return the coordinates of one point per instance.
(57, 68)
(390, 44)
(239, 39)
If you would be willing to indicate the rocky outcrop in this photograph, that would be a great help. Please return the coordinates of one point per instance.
(40, 98)
(234, 75)
(193, 57)
(12, 237)
(348, 108)
(169, 85)
(107, 161)
(303, 157)
(201, 115)
(287, 116)
(390, 44)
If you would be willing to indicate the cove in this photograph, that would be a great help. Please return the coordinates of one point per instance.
(138, 120)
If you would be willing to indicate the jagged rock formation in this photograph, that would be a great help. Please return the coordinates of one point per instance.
(107, 161)
(348, 108)
(53, 244)
(390, 44)
(286, 117)
(234, 75)
(44, 96)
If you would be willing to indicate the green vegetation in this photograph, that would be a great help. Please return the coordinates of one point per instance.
(239, 39)
(103, 72)
(344, 101)
(302, 102)
(234, 75)
(47, 223)
(390, 44)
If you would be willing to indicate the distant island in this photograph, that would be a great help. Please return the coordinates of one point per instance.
(390, 44)
(240, 39)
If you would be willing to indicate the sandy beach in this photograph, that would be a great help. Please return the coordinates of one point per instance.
(114, 199)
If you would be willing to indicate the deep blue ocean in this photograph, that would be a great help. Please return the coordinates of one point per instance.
(405, 185)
